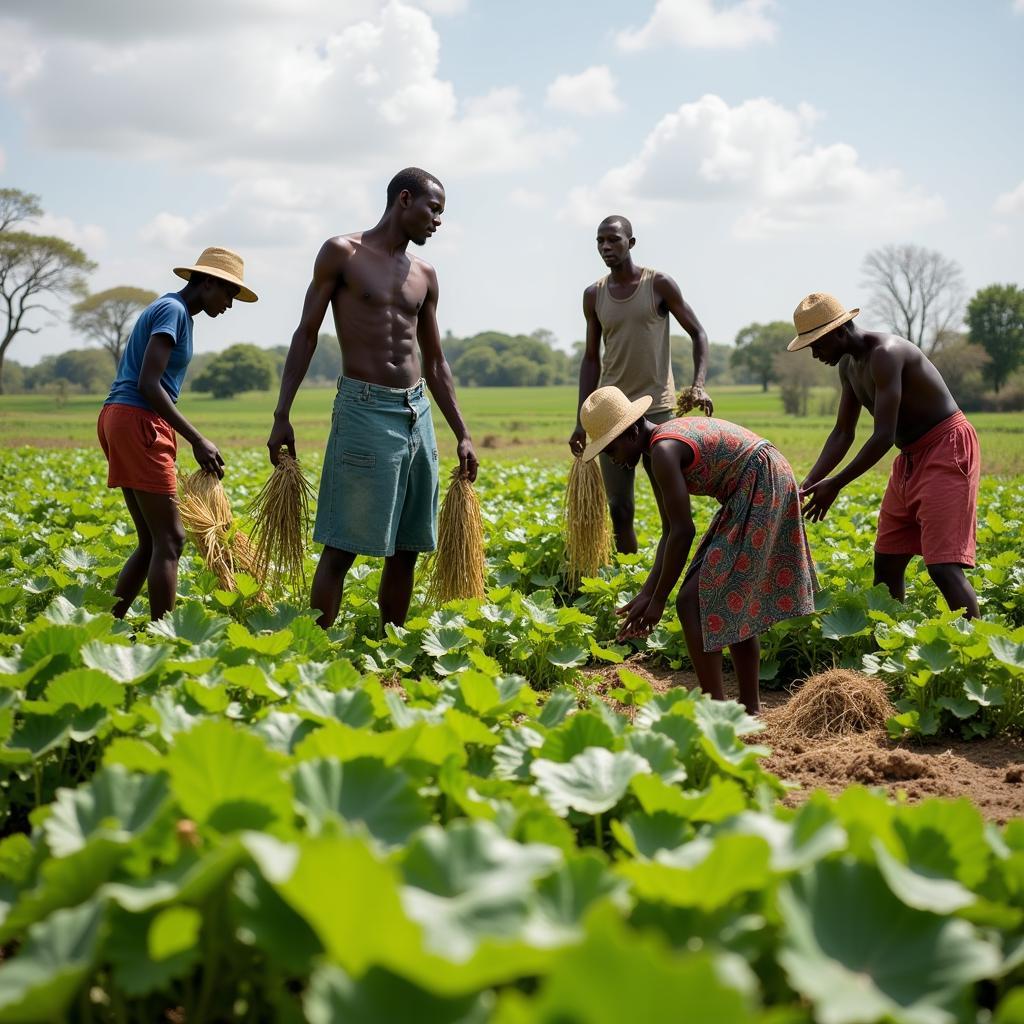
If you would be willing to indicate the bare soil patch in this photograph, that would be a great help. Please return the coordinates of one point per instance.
(988, 772)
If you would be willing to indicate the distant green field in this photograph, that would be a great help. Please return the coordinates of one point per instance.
(507, 423)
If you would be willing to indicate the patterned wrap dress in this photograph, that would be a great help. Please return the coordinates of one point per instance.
(754, 562)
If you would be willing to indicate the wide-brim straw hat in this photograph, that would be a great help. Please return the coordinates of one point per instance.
(816, 315)
(222, 263)
(605, 414)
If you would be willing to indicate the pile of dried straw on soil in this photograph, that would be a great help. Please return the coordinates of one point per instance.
(838, 702)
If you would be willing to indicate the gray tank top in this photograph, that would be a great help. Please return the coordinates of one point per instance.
(637, 355)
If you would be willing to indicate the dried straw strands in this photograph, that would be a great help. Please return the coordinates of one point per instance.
(206, 514)
(833, 703)
(690, 399)
(588, 543)
(280, 516)
(456, 569)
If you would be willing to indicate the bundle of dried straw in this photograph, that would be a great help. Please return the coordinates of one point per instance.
(225, 549)
(456, 569)
(588, 543)
(280, 517)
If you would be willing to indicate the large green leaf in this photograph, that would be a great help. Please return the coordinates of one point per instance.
(364, 790)
(572, 737)
(227, 777)
(84, 687)
(190, 622)
(592, 782)
(40, 982)
(353, 707)
(470, 882)
(705, 873)
(862, 955)
(123, 663)
(136, 973)
(114, 803)
(334, 997)
(618, 975)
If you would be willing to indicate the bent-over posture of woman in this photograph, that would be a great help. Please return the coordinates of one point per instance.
(137, 424)
(751, 569)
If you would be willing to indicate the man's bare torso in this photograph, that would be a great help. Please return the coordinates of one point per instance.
(376, 306)
(925, 400)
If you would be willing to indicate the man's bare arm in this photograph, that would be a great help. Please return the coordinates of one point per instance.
(886, 368)
(842, 437)
(438, 376)
(590, 366)
(327, 274)
(668, 292)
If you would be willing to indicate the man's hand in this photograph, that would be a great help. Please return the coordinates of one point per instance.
(578, 440)
(282, 436)
(822, 494)
(467, 460)
(695, 398)
(208, 456)
(641, 618)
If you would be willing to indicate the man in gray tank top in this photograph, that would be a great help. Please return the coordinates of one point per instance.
(629, 310)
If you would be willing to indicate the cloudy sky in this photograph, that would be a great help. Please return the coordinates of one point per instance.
(761, 147)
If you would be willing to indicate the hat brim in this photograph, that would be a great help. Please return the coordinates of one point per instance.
(244, 294)
(810, 337)
(635, 411)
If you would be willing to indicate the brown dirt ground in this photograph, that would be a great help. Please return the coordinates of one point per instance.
(989, 772)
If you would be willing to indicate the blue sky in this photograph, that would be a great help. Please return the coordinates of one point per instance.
(761, 149)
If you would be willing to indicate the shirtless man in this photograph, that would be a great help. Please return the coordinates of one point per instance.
(379, 486)
(930, 503)
(629, 310)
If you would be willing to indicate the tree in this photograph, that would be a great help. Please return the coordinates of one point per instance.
(757, 345)
(31, 266)
(238, 368)
(797, 373)
(962, 366)
(17, 206)
(995, 321)
(108, 317)
(918, 292)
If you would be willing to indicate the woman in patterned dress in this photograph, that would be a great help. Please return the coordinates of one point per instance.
(751, 569)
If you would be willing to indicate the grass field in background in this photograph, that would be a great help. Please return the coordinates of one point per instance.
(506, 423)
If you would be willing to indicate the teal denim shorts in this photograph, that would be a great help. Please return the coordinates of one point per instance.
(379, 489)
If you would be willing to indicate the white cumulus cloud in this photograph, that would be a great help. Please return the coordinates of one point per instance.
(257, 91)
(1012, 202)
(703, 25)
(589, 93)
(761, 157)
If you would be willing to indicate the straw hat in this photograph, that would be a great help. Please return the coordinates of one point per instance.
(816, 315)
(222, 263)
(606, 414)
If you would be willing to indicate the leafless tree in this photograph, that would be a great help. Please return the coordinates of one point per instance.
(917, 292)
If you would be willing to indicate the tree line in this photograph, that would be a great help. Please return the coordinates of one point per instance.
(915, 292)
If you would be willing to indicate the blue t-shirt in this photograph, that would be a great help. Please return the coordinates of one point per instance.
(168, 315)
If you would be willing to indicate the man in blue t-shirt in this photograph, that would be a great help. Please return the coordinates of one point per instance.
(139, 422)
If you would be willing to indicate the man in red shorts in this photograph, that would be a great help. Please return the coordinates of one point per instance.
(139, 423)
(930, 504)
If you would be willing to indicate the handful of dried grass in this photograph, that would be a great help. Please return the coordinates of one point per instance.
(588, 542)
(280, 515)
(693, 398)
(456, 569)
(206, 486)
(224, 548)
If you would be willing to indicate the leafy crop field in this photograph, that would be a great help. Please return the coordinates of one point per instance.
(508, 424)
(230, 815)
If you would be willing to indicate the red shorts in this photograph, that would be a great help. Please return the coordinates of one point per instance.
(140, 448)
(930, 505)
